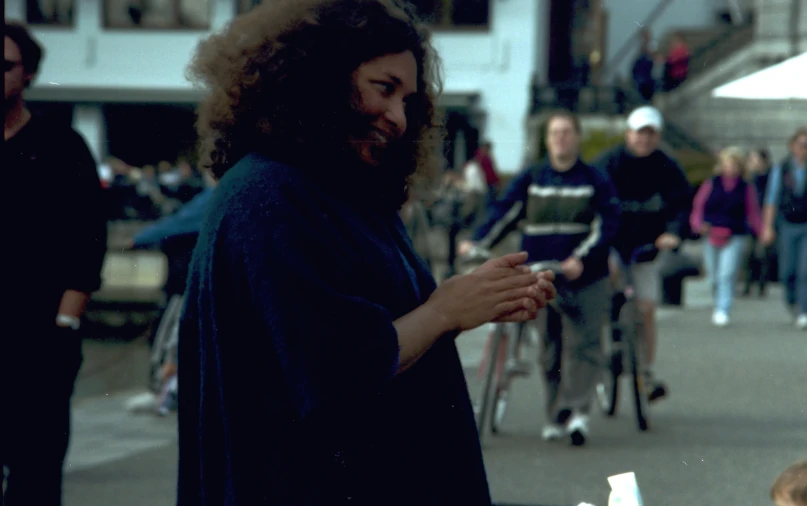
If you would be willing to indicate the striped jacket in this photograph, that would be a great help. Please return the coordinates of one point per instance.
(562, 214)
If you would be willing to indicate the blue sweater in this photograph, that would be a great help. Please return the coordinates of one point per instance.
(288, 350)
(564, 214)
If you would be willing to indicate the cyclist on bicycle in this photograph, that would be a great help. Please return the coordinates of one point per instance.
(655, 200)
(572, 215)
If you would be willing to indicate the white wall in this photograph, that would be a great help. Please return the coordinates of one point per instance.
(626, 16)
(498, 64)
(88, 55)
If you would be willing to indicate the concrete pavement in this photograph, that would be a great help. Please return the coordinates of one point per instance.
(736, 417)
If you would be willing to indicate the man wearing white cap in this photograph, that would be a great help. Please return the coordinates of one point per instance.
(655, 198)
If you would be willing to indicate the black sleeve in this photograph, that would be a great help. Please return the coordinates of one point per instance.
(677, 195)
(86, 217)
(334, 345)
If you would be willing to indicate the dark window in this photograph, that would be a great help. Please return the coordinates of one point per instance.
(145, 134)
(454, 13)
(158, 14)
(50, 12)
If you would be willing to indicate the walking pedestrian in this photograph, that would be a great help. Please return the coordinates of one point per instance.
(318, 358)
(676, 67)
(760, 256)
(55, 245)
(570, 213)
(724, 212)
(785, 214)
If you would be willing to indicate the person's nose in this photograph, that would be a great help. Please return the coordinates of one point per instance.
(396, 115)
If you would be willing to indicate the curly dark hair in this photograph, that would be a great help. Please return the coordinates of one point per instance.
(279, 81)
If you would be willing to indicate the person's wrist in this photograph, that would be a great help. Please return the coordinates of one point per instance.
(438, 317)
(68, 322)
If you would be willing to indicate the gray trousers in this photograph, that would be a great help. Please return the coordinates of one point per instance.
(571, 346)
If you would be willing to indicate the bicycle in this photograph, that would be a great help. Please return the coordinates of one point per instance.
(624, 350)
(498, 374)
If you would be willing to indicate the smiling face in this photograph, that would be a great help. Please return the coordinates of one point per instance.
(382, 88)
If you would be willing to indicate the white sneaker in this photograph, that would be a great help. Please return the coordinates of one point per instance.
(552, 432)
(720, 319)
(801, 322)
(145, 402)
(577, 428)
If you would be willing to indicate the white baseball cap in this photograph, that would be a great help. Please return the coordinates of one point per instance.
(646, 116)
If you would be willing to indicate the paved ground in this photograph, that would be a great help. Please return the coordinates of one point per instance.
(736, 417)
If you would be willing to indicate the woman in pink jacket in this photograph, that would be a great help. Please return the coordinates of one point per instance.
(725, 212)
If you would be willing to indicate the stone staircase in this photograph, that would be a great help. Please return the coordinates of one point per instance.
(773, 34)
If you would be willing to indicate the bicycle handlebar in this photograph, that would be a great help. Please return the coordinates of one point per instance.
(641, 251)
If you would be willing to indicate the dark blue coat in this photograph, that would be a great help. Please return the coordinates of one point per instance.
(288, 350)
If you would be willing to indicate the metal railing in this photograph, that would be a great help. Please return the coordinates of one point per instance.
(720, 47)
(629, 46)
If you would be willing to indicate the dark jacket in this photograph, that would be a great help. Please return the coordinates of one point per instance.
(655, 197)
(564, 214)
(57, 238)
(289, 352)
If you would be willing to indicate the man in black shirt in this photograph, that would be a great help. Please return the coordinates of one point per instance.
(655, 201)
(56, 238)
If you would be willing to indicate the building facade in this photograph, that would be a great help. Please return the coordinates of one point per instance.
(120, 68)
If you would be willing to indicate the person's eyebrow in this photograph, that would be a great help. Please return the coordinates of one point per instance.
(398, 81)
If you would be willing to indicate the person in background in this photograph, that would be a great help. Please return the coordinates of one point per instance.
(790, 487)
(54, 254)
(760, 257)
(643, 78)
(785, 213)
(654, 198)
(484, 156)
(724, 212)
(571, 215)
(676, 67)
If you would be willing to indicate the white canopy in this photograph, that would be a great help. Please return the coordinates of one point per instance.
(786, 80)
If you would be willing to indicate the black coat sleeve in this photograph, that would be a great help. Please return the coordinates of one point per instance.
(677, 195)
(86, 216)
(333, 345)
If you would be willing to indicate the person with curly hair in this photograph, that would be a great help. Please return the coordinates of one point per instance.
(318, 358)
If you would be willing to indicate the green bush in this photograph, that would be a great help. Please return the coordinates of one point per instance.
(596, 143)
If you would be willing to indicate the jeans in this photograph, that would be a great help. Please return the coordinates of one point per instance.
(722, 264)
(793, 263)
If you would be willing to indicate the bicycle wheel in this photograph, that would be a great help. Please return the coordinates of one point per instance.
(501, 390)
(608, 384)
(491, 368)
(635, 357)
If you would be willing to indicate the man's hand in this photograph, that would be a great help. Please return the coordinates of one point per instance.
(668, 241)
(768, 236)
(572, 268)
(705, 229)
(464, 247)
